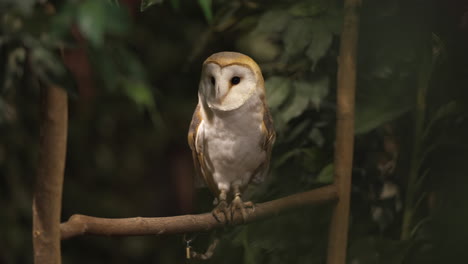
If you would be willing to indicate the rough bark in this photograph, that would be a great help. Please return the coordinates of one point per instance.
(344, 144)
(47, 198)
(87, 225)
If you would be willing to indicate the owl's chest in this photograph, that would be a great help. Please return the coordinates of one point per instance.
(233, 141)
(233, 137)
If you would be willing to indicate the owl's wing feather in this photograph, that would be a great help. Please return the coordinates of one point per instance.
(268, 139)
(192, 140)
(203, 176)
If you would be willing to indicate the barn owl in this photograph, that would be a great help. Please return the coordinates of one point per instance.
(231, 134)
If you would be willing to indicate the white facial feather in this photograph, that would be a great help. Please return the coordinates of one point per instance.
(219, 89)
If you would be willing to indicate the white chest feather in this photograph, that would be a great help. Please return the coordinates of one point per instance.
(231, 144)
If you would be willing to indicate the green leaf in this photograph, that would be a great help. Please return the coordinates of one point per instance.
(309, 159)
(296, 131)
(316, 90)
(304, 93)
(308, 8)
(49, 69)
(63, 21)
(309, 35)
(285, 157)
(273, 21)
(297, 105)
(442, 112)
(377, 105)
(317, 137)
(206, 9)
(297, 37)
(147, 3)
(14, 65)
(97, 18)
(91, 21)
(260, 46)
(369, 119)
(308, 156)
(320, 43)
(277, 91)
(139, 93)
(326, 175)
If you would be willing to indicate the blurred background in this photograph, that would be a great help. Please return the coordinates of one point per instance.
(132, 68)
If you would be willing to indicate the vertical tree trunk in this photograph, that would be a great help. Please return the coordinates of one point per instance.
(338, 238)
(47, 200)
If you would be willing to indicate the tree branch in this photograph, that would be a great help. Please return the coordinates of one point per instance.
(338, 238)
(47, 200)
(87, 225)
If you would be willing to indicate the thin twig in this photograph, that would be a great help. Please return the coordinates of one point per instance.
(137, 226)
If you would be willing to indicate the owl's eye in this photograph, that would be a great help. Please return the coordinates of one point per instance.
(235, 80)
(213, 81)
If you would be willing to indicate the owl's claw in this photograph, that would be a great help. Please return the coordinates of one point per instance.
(238, 205)
(221, 212)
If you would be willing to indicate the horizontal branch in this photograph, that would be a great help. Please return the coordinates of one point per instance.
(137, 226)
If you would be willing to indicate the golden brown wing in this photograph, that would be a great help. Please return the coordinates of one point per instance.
(202, 175)
(270, 134)
(266, 144)
(192, 135)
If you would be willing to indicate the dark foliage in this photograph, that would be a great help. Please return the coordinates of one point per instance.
(133, 76)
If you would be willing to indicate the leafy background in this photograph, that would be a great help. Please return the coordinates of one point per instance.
(132, 69)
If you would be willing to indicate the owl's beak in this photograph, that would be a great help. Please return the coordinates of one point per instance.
(216, 91)
(216, 95)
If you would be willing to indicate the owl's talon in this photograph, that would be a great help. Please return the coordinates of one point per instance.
(238, 204)
(221, 212)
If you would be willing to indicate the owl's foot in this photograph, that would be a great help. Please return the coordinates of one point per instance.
(238, 205)
(221, 212)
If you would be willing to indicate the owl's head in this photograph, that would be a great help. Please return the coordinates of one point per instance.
(229, 79)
